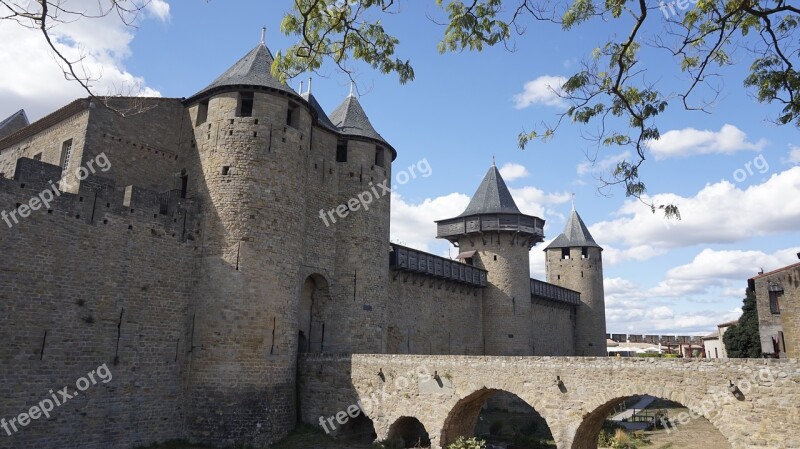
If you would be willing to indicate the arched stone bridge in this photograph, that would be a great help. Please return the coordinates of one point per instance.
(574, 395)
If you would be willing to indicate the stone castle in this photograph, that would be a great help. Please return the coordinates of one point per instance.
(183, 247)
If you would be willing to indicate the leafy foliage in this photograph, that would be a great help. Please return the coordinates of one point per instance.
(743, 340)
(611, 92)
(467, 443)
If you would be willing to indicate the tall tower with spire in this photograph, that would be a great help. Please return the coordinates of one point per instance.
(574, 261)
(497, 237)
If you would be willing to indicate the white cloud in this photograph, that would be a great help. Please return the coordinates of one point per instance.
(511, 171)
(32, 79)
(413, 224)
(719, 213)
(709, 264)
(603, 164)
(794, 155)
(689, 142)
(159, 9)
(543, 90)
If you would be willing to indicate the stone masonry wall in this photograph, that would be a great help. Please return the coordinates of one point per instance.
(787, 322)
(431, 316)
(49, 143)
(773, 325)
(444, 391)
(92, 283)
(553, 328)
(147, 149)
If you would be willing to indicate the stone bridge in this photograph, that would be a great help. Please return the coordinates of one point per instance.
(753, 403)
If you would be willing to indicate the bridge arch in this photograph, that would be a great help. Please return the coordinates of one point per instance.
(701, 408)
(462, 419)
(411, 431)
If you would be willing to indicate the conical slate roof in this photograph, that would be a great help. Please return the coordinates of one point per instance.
(575, 234)
(322, 117)
(13, 123)
(351, 120)
(252, 70)
(492, 197)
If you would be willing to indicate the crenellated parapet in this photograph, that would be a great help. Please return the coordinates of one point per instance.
(36, 189)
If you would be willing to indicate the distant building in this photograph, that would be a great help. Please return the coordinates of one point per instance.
(14, 123)
(776, 295)
(713, 343)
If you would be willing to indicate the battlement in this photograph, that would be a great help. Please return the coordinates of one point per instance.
(98, 202)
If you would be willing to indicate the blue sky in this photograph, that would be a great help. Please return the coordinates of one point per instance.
(734, 174)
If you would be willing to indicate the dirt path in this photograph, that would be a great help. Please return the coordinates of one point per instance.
(699, 433)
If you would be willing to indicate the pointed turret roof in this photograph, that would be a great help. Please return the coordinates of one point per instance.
(13, 123)
(575, 234)
(351, 119)
(322, 117)
(253, 70)
(492, 196)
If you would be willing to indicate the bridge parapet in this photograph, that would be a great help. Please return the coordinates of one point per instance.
(443, 391)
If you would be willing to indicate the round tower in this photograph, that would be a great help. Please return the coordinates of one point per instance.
(252, 134)
(364, 166)
(574, 261)
(497, 237)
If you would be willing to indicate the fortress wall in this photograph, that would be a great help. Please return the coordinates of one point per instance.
(147, 148)
(49, 142)
(431, 316)
(553, 328)
(77, 293)
(321, 189)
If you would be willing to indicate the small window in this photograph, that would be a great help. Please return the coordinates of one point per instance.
(226, 170)
(291, 116)
(565, 253)
(66, 152)
(37, 157)
(202, 113)
(341, 152)
(379, 156)
(246, 104)
(775, 301)
(584, 253)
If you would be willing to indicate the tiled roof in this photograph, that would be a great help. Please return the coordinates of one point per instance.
(575, 234)
(789, 267)
(492, 197)
(254, 69)
(322, 117)
(351, 120)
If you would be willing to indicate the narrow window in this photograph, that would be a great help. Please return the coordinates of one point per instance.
(246, 104)
(716, 353)
(775, 301)
(291, 116)
(565, 253)
(584, 253)
(66, 152)
(184, 183)
(226, 170)
(341, 152)
(378, 156)
(37, 157)
(202, 113)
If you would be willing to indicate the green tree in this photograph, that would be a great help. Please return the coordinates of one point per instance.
(743, 340)
(612, 91)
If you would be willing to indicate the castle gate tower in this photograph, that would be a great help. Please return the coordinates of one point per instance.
(252, 134)
(497, 237)
(574, 261)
